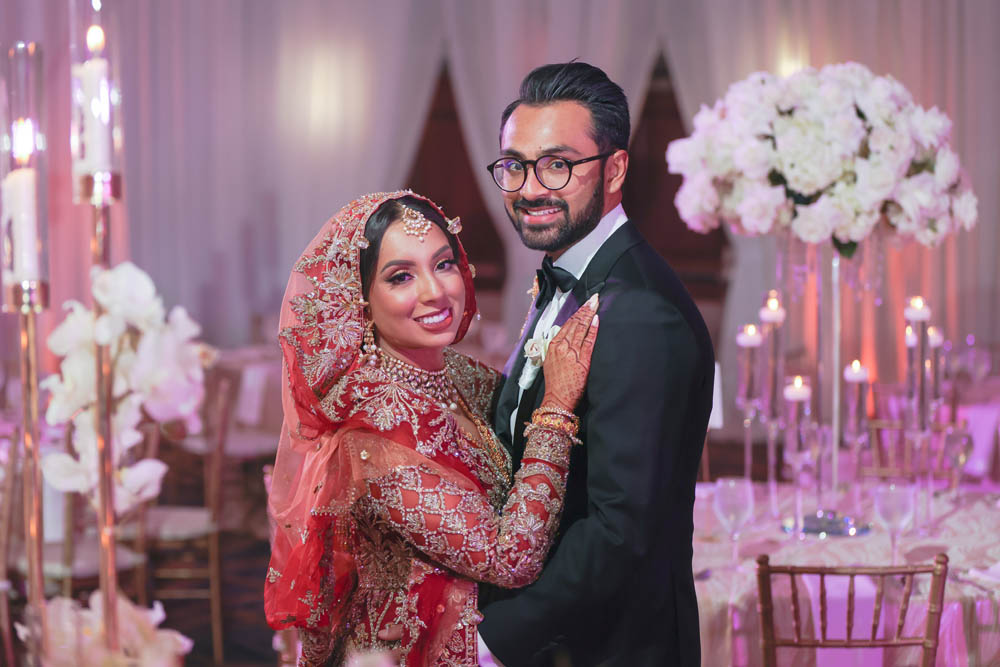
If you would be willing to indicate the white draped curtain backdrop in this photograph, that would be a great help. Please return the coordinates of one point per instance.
(247, 124)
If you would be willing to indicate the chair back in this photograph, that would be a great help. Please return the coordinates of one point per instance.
(928, 641)
(220, 396)
(894, 454)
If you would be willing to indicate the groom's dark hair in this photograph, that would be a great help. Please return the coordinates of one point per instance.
(585, 84)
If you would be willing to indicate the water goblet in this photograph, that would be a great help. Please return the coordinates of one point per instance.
(895, 505)
(733, 505)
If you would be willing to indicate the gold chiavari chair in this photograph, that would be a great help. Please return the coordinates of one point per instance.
(928, 641)
(186, 538)
(894, 454)
(6, 525)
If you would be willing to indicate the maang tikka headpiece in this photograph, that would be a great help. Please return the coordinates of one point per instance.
(415, 224)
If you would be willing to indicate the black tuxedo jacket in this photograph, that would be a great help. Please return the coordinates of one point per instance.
(618, 587)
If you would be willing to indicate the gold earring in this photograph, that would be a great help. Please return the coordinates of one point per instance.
(369, 349)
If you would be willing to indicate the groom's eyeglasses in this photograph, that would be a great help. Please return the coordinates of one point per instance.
(552, 171)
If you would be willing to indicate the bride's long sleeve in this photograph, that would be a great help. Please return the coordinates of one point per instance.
(458, 527)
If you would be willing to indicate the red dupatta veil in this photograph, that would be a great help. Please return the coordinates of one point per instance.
(321, 327)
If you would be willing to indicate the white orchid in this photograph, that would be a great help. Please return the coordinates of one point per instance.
(128, 297)
(838, 142)
(75, 635)
(158, 374)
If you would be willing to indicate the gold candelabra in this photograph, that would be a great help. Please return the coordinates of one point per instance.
(30, 298)
(101, 189)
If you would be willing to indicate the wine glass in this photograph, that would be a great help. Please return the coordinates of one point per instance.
(894, 506)
(733, 505)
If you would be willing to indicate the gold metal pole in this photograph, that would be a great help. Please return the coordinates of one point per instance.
(102, 189)
(31, 297)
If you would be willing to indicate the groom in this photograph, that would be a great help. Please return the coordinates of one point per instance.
(617, 588)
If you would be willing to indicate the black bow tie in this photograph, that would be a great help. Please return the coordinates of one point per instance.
(551, 277)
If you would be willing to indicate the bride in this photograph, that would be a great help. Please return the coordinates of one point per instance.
(391, 497)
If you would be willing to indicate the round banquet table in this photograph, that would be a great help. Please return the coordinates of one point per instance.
(965, 527)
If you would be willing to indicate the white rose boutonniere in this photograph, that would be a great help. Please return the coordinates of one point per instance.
(534, 353)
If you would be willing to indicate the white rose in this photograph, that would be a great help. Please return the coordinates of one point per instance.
(762, 207)
(930, 127)
(874, 183)
(934, 230)
(721, 143)
(686, 156)
(751, 104)
(815, 223)
(707, 117)
(807, 160)
(917, 195)
(853, 76)
(754, 158)
(904, 224)
(946, 168)
(965, 209)
(696, 201)
(533, 350)
(845, 130)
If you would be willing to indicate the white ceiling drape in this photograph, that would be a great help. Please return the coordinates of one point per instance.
(946, 55)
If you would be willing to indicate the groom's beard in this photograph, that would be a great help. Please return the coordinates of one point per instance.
(560, 235)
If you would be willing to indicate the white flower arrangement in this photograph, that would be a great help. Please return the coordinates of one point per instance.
(158, 376)
(830, 153)
(76, 639)
(535, 350)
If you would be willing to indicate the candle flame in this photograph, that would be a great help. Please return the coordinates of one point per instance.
(22, 140)
(95, 39)
(917, 302)
(931, 331)
(750, 329)
(773, 303)
(909, 330)
(855, 365)
(797, 381)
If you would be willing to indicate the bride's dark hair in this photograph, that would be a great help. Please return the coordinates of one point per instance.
(385, 215)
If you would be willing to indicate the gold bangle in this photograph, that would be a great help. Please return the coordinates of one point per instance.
(557, 411)
(534, 426)
(557, 422)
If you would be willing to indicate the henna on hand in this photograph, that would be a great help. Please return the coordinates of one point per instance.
(567, 361)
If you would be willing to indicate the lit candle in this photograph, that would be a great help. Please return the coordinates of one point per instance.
(19, 192)
(917, 310)
(934, 337)
(855, 372)
(749, 336)
(96, 92)
(772, 312)
(911, 338)
(798, 391)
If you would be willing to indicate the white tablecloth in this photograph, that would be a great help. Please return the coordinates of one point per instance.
(727, 599)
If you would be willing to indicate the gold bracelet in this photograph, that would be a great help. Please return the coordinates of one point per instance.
(534, 426)
(557, 411)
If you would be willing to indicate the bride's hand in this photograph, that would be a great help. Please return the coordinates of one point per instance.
(567, 360)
